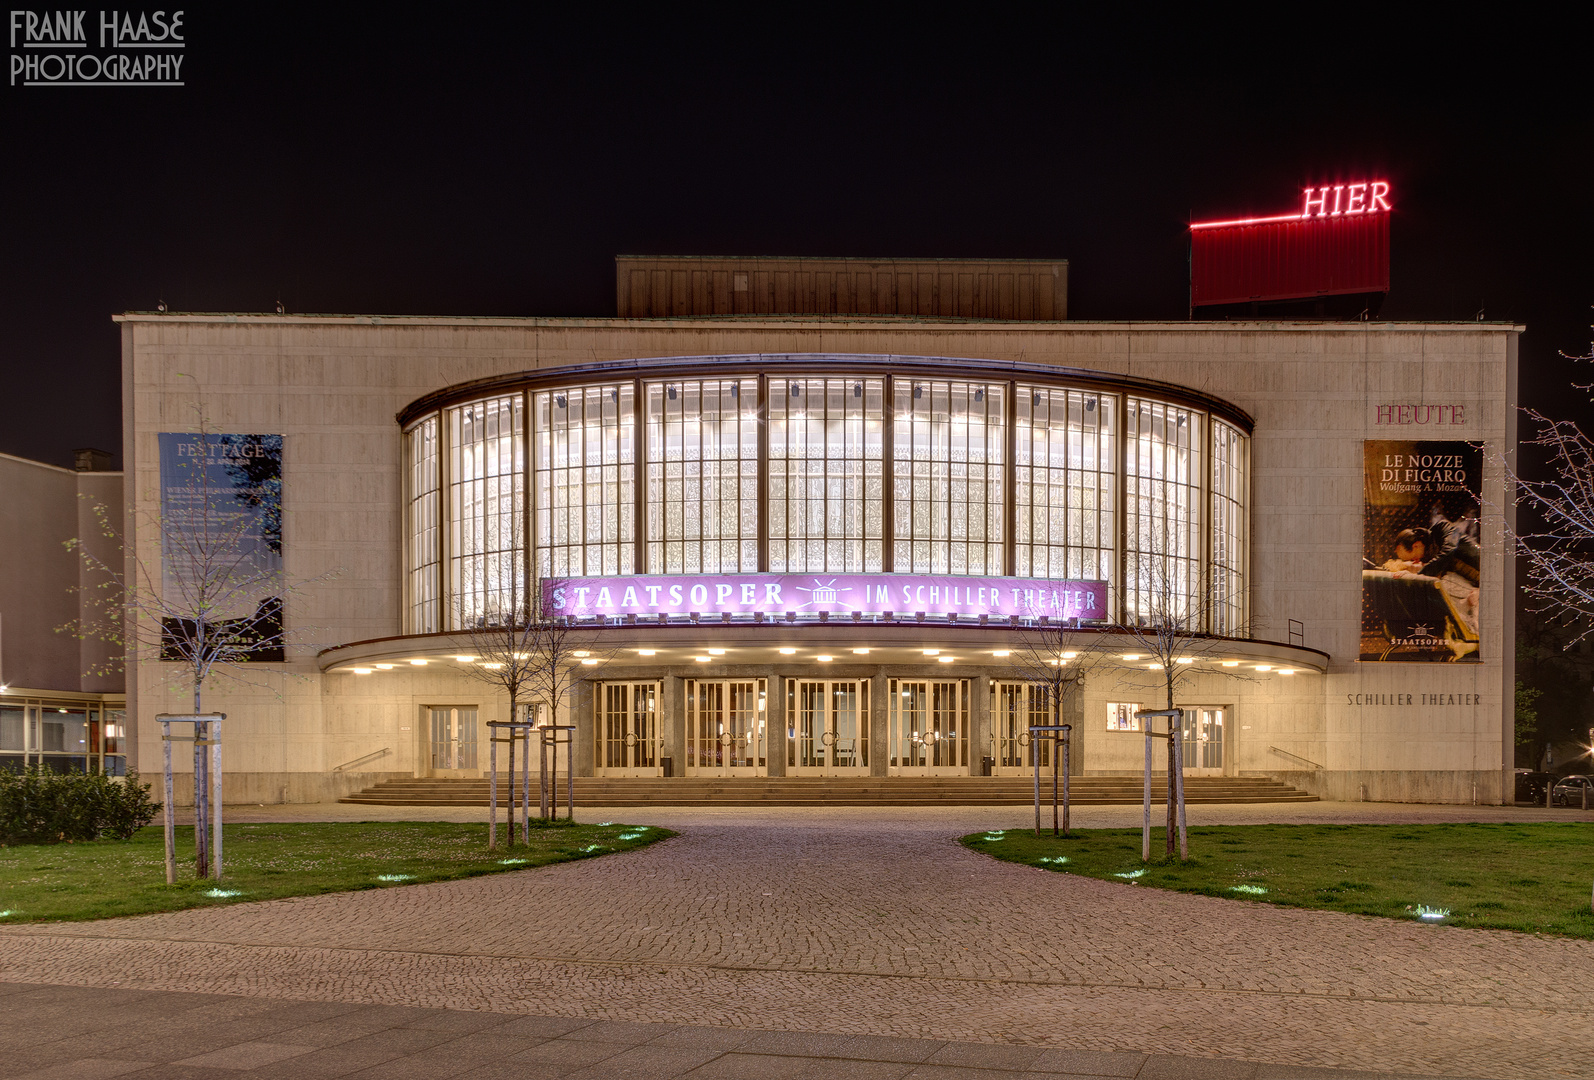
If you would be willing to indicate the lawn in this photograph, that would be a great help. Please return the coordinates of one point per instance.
(1530, 877)
(97, 880)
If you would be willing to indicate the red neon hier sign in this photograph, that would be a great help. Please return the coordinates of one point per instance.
(1333, 200)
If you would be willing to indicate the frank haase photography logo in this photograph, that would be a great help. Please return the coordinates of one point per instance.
(115, 48)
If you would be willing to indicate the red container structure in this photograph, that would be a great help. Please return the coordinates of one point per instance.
(1293, 258)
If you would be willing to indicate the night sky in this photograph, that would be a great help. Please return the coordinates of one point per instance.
(472, 162)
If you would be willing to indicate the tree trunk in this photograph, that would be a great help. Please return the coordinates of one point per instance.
(510, 824)
(201, 792)
(1173, 758)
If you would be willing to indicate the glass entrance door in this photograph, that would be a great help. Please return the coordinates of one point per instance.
(629, 742)
(929, 727)
(829, 728)
(453, 739)
(1015, 707)
(725, 728)
(1203, 741)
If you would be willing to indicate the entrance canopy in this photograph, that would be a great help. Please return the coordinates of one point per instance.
(699, 646)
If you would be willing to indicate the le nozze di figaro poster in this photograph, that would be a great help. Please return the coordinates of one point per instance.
(1420, 551)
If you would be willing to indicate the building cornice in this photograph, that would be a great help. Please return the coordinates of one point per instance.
(815, 322)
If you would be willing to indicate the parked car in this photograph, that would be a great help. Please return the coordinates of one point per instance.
(1531, 786)
(1571, 790)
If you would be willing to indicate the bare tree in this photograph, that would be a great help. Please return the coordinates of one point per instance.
(533, 656)
(1170, 609)
(1169, 617)
(1053, 658)
(1556, 536)
(211, 606)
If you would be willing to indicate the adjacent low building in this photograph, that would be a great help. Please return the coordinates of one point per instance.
(61, 700)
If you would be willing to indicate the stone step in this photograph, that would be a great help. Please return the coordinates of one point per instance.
(835, 791)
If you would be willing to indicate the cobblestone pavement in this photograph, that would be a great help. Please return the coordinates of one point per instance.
(877, 923)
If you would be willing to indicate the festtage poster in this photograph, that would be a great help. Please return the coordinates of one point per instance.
(1420, 551)
(221, 532)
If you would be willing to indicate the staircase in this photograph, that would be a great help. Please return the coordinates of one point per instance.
(839, 791)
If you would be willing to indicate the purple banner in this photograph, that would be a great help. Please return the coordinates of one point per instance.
(839, 594)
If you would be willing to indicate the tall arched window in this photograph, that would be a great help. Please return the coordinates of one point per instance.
(487, 505)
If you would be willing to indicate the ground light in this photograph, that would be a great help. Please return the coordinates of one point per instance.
(1432, 914)
(222, 894)
(1249, 890)
(395, 877)
(1131, 874)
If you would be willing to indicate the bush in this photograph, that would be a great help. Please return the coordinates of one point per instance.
(38, 806)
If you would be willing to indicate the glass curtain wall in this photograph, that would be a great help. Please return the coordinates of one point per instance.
(703, 477)
(586, 481)
(1229, 521)
(1162, 538)
(947, 477)
(1182, 535)
(422, 524)
(487, 502)
(826, 475)
(1065, 495)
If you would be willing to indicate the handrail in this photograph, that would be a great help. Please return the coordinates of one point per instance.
(1298, 757)
(364, 757)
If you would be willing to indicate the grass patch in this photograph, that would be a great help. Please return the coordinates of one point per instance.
(1533, 878)
(105, 878)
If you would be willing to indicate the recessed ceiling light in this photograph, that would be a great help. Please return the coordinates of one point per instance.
(824, 659)
(418, 663)
(590, 663)
(716, 652)
(1002, 652)
(860, 652)
(1131, 656)
(464, 659)
(1185, 660)
(787, 652)
(702, 659)
(387, 667)
(932, 652)
(581, 653)
(1231, 663)
(1069, 655)
(361, 670)
(492, 665)
(647, 652)
(946, 659)
(1264, 667)
(1286, 671)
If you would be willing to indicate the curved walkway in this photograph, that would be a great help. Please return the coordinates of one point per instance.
(878, 923)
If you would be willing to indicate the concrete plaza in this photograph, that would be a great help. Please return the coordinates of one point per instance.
(794, 942)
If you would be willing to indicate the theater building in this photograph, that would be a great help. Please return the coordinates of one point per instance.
(810, 508)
